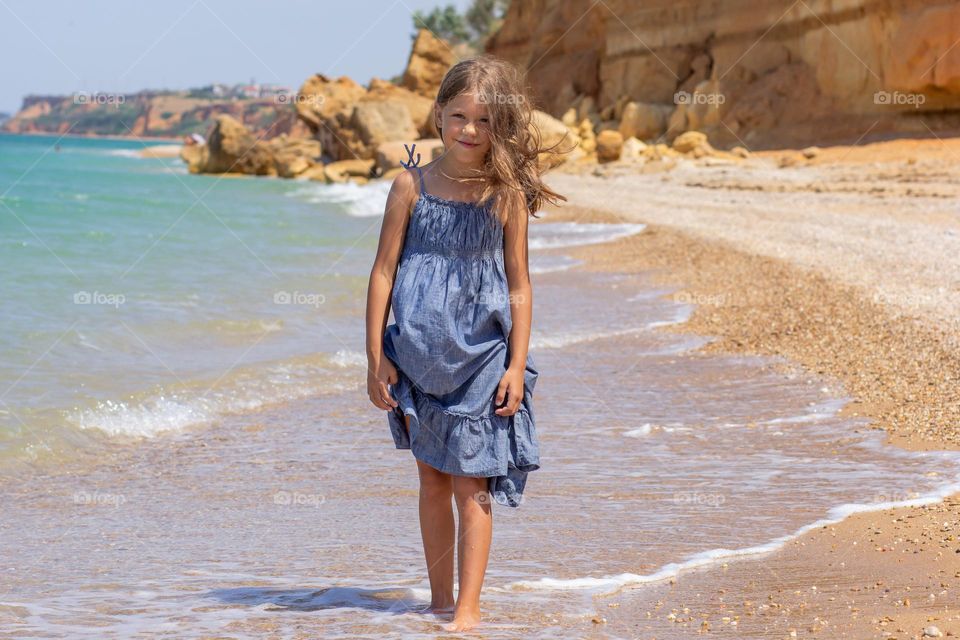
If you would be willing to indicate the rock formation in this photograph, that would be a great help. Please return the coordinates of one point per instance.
(232, 148)
(753, 74)
(429, 60)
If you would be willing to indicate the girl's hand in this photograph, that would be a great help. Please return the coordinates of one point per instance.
(511, 388)
(377, 384)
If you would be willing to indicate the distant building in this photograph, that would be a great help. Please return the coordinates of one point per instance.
(271, 90)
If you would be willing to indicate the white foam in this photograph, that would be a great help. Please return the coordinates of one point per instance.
(348, 358)
(127, 153)
(362, 201)
(681, 313)
(613, 583)
(557, 341)
(640, 432)
(205, 402)
(551, 235)
(143, 419)
(550, 263)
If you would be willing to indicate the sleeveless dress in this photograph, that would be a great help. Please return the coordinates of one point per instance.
(449, 343)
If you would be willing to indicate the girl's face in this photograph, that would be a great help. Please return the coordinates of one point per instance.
(466, 132)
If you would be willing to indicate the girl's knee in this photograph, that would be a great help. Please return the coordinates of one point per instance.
(434, 479)
(465, 488)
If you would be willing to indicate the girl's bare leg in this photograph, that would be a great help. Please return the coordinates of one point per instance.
(476, 531)
(437, 531)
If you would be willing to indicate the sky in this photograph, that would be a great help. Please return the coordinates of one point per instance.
(64, 46)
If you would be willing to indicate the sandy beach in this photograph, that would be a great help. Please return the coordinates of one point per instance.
(845, 265)
(690, 431)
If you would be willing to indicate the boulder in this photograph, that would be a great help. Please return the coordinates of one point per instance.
(195, 155)
(588, 140)
(429, 60)
(377, 122)
(294, 156)
(633, 149)
(351, 122)
(322, 100)
(644, 121)
(553, 132)
(344, 170)
(231, 148)
(609, 145)
(693, 143)
(420, 108)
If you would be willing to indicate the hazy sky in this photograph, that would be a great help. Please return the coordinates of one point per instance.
(62, 46)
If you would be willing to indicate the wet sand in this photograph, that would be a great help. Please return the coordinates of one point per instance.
(258, 525)
(862, 287)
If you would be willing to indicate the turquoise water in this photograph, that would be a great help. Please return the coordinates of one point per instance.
(201, 340)
(137, 297)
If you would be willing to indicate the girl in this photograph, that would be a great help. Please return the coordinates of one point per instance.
(453, 372)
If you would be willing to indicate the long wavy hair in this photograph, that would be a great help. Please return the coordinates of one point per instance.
(512, 170)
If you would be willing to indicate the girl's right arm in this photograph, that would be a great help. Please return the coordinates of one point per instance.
(380, 371)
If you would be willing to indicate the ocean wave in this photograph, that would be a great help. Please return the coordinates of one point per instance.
(551, 263)
(204, 402)
(553, 235)
(126, 153)
(362, 201)
(540, 340)
(610, 584)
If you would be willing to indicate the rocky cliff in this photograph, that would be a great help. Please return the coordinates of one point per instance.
(763, 74)
(150, 114)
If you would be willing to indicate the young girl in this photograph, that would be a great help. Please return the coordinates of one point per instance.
(453, 371)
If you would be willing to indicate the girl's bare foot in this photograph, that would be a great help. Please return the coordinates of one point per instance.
(463, 620)
(436, 609)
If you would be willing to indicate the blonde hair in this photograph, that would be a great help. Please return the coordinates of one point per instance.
(512, 171)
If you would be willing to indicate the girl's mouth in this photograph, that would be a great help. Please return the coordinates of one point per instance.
(468, 144)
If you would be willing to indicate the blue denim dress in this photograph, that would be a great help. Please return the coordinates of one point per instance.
(449, 343)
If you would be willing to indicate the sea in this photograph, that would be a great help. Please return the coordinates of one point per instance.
(187, 448)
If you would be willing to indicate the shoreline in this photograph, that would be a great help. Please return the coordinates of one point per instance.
(897, 371)
(46, 134)
(755, 304)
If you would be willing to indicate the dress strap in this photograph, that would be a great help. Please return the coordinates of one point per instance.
(412, 163)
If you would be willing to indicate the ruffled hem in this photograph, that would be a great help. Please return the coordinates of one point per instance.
(502, 448)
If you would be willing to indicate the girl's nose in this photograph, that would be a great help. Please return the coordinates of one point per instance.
(470, 128)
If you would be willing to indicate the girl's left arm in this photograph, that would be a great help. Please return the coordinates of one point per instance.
(516, 264)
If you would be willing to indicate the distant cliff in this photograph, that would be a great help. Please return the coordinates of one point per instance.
(150, 114)
(756, 73)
